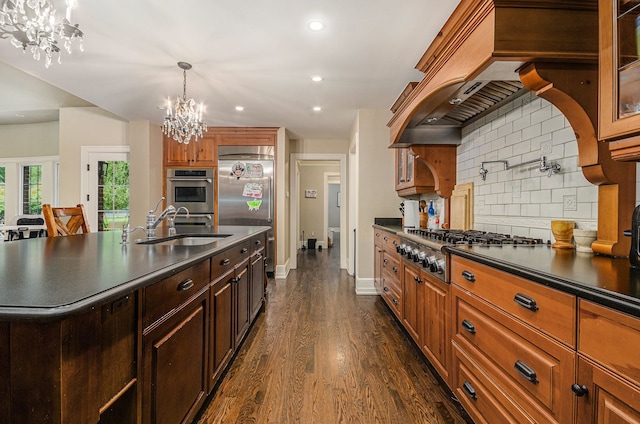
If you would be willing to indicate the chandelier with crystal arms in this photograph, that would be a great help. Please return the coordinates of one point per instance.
(32, 24)
(183, 120)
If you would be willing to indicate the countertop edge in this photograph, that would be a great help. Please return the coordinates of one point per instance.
(603, 297)
(37, 313)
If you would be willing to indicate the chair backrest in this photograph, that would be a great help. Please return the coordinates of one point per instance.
(77, 220)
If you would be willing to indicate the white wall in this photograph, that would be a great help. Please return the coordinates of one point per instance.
(282, 263)
(312, 211)
(145, 169)
(29, 140)
(376, 195)
(523, 201)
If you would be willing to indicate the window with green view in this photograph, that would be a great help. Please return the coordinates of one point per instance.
(113, 194)
(32, 189)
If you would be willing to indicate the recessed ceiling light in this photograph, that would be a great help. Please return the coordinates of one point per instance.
(315, 25)
(239, 108)
(316, 78)
(317, 108)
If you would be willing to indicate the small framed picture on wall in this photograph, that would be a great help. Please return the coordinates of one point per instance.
(311, 194)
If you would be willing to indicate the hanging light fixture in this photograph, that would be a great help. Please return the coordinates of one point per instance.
(32, 24)
(183, 120)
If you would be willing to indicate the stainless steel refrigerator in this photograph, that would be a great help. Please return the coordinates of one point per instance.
(245, 189)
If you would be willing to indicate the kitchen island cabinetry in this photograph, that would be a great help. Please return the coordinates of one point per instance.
(608, 382)
(620, 77)
(257, 290)
(389, 273)
(135, 333)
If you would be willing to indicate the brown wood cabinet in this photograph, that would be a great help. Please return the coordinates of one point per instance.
(426, 315)
(257, 289)
(620, 77)
(199, 153)
(517, 338)
(221, 337)
(241, 301)
(412, 175)
(387, 273)
(608, 382)
(175, 364)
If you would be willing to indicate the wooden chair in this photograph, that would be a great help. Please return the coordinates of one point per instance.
(57, 227)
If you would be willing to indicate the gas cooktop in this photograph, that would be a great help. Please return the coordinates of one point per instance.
(473, 237)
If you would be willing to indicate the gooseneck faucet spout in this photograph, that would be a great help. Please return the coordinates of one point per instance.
(153, 222)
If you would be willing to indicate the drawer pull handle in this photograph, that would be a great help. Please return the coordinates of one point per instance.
(579, 390)
(225, 262)
(385, 289)
(468, 275)
(235, 279)
(386, 261)
(186, 285)
(244, 250)
(395, 243)
(385, 238)
(469, 390)
(395, 302)
(526, 371)
(526, 301)
(395, 269)
(258, 242)
(468, 326)
(417, 279)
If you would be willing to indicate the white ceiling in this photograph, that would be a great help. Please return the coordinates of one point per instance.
(254, 53)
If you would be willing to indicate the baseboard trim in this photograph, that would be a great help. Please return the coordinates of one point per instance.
(283, 270)
(365, 287)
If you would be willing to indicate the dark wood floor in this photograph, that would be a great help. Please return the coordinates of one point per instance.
(321, 354)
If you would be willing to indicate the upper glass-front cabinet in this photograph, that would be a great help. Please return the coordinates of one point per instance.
(619, 69)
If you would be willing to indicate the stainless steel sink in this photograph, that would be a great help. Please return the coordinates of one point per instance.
(187, 239)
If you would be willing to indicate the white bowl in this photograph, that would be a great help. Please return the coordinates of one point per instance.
(583, 239)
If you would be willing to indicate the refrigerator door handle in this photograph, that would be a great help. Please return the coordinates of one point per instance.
(270, 197)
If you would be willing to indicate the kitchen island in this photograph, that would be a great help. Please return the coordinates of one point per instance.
(96, 331)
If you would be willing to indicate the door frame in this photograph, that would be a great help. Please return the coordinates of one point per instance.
(294, 204)
(86, 154)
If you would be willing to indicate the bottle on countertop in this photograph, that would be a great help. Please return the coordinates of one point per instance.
(431, 220)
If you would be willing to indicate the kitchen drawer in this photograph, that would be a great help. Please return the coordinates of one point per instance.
(258, 242)
(549, 310)
(224, 261)
(390, 242)
(391, 271)
(166, 295)
(481, 397)
(611, 338)
(531, 368)
(393, 299)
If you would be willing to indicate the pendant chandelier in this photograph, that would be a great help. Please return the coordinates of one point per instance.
(32, 24)
(183, 120)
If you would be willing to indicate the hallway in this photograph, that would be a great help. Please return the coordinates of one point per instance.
(321, 354)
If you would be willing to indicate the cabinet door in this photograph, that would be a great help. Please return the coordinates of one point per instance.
(412, 299)
(175, 154)
(196, 153)
(257, 282)
(221, 338)
(609, 399)
(435, 336)
(401, 167)
(175, 355)
(619, 68)
(377, 267)
(241, 300)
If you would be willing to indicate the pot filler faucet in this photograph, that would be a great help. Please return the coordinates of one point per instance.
(550, 167)
(153, 222)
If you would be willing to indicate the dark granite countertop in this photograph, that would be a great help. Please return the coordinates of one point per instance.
(46, 278)
(604, 280)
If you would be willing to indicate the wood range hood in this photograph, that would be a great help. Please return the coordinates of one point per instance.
(489, 52)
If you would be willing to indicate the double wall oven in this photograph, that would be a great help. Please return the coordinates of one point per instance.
(194, 190)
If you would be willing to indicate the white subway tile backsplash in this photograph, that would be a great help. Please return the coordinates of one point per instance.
(524, 200)
(553, 124)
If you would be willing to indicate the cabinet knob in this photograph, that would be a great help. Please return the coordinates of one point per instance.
(244, 250)
(225, 261)
(258, 242)
(579, 390)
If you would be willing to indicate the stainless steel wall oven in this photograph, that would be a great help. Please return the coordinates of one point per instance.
(194, 190)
